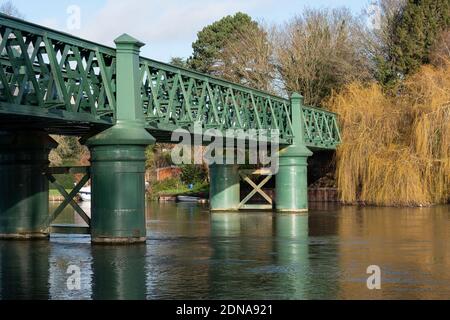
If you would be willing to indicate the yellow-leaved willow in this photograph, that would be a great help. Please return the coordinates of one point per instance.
(396, 143)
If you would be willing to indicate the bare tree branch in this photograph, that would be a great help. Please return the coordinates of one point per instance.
(10, 9)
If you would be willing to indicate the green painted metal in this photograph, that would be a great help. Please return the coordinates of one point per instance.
(55, 72)
(246, 176)
(49, 75)
(256, 207)
(118, 194)
(224, 187)
(24, 187)
(320, 128)
(292, 178)
(175, 97)
(68, 197)
(118, 159)
(291, 186)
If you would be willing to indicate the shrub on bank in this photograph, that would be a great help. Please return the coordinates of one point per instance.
(193, 174)
(176, 187)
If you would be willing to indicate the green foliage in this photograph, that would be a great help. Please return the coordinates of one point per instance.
(175, 187)
(248, 59)
(168, 186)
(56, 193)
(179, 62)
(213, 38)
(193, 174)
(413, 32)
(67, 181)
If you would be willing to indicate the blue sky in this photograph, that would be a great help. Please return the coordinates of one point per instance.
(168, 27)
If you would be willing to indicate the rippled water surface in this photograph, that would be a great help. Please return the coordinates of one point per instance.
(192, 254)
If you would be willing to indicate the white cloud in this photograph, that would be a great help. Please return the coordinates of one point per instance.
(159, 22)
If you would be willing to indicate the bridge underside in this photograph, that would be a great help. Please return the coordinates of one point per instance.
(59, 122)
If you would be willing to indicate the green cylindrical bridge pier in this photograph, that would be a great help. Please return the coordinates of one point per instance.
(120, 103)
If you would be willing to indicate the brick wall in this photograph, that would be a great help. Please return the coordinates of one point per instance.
(167, 173)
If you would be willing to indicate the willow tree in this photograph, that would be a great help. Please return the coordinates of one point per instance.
(396, 145)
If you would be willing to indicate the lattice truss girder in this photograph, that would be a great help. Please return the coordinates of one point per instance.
(182, 98)
(38, 70)
(321, 128)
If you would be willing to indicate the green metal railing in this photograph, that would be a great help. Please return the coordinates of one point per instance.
(55, 72)
(321, 128)
(175, 97)
(55, 75)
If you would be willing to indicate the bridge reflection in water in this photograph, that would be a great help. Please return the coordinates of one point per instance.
(191, 253)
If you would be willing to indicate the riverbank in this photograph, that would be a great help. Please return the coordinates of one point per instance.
(168, 191)
(329, 195)
(201, 192)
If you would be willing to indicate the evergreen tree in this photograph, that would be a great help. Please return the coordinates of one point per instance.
(413, 32)
(179, 62)
(213, 38)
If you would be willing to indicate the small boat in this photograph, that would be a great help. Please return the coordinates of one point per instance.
(188, 199)
(85, 194)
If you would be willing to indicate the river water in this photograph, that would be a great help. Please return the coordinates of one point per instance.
(192, 254)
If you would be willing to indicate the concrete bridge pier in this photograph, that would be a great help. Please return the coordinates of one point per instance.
(118, 159)
(23, 185)
(292, 178)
